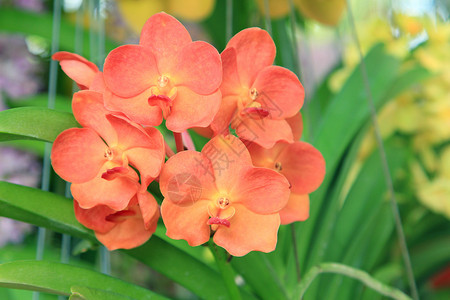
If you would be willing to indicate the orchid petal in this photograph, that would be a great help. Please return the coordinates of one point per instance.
(304, 167)
(228, 157)
(95, 217)
(186, 222)
(135, 108)
(248, 231)
(192, 110)
(88, 109)
(129, 70)
(78, 154)
(255, 50)
(165, 36)
(279, 91)
(297, 209)
(77, 68)
(115, 193)
(199, 68)
(265, 132)
(262, 190)
(187, 177)
(128, 234)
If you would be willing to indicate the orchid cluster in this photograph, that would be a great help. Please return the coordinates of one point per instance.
(253, 175)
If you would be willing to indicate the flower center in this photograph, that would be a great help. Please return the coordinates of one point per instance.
(249, 107)
(162, 95)
(220, 212)
(116, 165)
(278, 166)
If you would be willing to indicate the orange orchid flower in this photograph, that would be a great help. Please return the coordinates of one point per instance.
(218, 189)
(79, 69)
(96, 158)
(166, 75)
(302, 165)
(257, 96)
(124, 229)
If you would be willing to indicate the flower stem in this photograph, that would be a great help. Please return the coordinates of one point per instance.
(349, 272)
(226, 270)
(178, 141)
(169, 151)
(295, 249)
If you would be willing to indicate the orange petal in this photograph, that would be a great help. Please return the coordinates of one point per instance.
(279, 91)
(228, 157)
(77, 68)
(135, 108)
(222, 120)
(262, 190)
(95, 217)
(296, 123)
(98, 83)
(297, 209)
(199, 68)
(115, 193)
(304, 167)
(255, 50)
(186, 222)
(248, 231)
(231, 84)
(263, 157)
(165, 36)
(192, 110)
(78, 154)
(129, 70)
(149, 209)
(149, 159)
(265, 132)
(128, 234)
(88, 109)
(131, 135)
(187, 177)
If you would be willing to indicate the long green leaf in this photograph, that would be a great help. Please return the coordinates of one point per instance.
(56, 212)
(57, 278)
(40, 208)
(345, 115)
(36, 123)
(86, 293)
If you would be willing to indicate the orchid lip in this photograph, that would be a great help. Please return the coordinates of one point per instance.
(111, 174)
(218, 221)
(255, 112)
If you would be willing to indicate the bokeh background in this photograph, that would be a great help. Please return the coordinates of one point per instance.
(406, 45)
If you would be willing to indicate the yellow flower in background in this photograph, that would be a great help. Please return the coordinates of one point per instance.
(408, 24)
(327, 12)
(277, 8)
(370, 33)
(136, 12)
(435, 193)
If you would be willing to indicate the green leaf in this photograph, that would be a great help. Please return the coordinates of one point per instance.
(56, 212)
(36, 123)
(86, 293)
(41, 100)
(345, 115)
(40, 208)
(256, 270)
(57, 278)
(41, 24)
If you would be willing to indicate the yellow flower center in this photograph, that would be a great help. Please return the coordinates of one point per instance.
(163, 95)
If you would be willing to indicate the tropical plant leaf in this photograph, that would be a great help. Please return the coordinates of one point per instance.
(57, 278)
(56, 213)
(36, 123)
